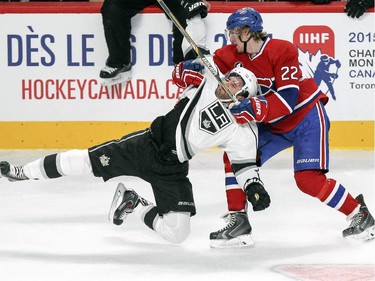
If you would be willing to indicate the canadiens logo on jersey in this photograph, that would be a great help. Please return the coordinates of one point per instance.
(214, 118)
(316, 53)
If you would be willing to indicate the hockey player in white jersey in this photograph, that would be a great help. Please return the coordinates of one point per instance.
(160, 154)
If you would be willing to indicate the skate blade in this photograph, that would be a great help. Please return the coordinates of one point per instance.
(367, 235)
(11, 179)
(242, 241)
(116, 201)
(370, 236)
(120, 78)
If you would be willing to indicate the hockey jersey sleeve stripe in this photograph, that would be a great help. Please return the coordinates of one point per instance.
(289, 96)
(282, 103)
(308, 100)
(187, 151)
(287, 87)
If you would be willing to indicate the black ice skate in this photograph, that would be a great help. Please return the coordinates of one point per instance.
(124, 202)
(115, 75)
(236, 234)
(13, 173)
(362, 223)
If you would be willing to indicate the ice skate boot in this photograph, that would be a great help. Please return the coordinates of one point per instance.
(115, 75)
(13, 173)
(236, 234)
(124, 202)
(362, 223)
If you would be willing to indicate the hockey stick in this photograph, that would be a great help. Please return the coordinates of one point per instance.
(205, 61)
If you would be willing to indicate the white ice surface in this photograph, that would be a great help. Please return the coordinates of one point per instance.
(58, 229)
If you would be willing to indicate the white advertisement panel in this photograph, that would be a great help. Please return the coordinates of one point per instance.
(49, 64)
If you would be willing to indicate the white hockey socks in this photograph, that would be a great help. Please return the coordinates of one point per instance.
(71, 162)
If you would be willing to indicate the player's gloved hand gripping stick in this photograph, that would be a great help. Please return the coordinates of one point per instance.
(195, 47)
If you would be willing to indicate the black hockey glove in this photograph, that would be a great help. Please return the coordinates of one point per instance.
(356, 8)
(194, 7)
(257, 195)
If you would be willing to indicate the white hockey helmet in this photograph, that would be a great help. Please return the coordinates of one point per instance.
(250, 87)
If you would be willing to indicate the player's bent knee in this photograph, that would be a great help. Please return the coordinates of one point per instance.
(178, 236)
(174, 226)
(310, 182)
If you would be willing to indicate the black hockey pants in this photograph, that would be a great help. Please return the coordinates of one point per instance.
(117, 16)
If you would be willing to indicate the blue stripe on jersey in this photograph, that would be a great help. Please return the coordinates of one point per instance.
(230, 180)
(290, 95)
(337, 197)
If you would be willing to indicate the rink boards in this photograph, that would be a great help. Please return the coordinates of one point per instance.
(51, 55)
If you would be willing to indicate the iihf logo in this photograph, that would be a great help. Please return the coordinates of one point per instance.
(316, 53)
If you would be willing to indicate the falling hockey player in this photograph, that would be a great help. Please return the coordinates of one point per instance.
(160, 155)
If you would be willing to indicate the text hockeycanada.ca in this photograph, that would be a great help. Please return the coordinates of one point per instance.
(81, 89)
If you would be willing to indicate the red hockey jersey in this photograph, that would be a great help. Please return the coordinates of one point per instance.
(277, 68)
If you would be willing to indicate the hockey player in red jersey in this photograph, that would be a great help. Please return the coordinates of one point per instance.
(290, 112)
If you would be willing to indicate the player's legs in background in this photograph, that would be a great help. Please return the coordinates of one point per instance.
(116, 16)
